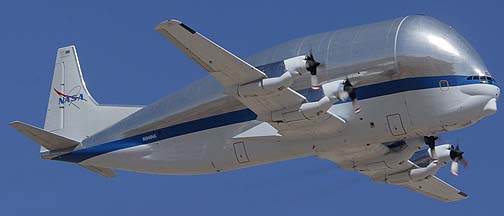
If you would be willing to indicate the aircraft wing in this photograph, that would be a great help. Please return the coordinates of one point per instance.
(431, 186)
(221, 64)
(227, 68)
(437, 189)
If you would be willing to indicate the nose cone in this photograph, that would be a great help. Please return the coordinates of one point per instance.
(480, 100)
(427, 47)
(491, 106)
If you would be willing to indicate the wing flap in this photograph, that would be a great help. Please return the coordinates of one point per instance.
(281, 100)
(437, 189)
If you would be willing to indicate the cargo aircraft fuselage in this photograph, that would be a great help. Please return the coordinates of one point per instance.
(367, 98)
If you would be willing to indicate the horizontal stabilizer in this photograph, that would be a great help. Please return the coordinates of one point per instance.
(105, 172)
(44, 138)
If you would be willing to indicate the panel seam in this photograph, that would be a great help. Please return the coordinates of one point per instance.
(396, 63)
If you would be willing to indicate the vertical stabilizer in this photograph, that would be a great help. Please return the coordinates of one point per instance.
(72, 112)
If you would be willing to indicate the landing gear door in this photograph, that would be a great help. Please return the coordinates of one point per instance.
(395, 124)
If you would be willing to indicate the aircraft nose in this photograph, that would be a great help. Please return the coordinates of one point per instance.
(482, 98)
(494, 92)
(490, 107)
(491, 91)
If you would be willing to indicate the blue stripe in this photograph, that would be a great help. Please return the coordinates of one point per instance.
(364, 92)
(396, 86)
(160, 134)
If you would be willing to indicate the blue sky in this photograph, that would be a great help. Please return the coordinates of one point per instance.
(125, 61)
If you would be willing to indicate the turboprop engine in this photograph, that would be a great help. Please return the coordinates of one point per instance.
(440, 156)
(293, 68)
(333, 91)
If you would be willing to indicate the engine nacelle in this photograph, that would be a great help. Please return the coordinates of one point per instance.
(294, 68)
(416, 174)
(308, 111)
(333, 92)
(336, 90)
(297, 63)
(268, 86)
(442, 155)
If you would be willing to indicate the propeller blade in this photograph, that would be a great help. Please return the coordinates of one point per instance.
(311, 66)
(431, 142)
(433, 153)
(314, 82)
(454, 168)
(457, 155)
(348, 87)
(464, 162)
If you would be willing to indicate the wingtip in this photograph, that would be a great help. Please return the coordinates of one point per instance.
(167, 23)
(463, 194)
(14, 123)
(175, 21)
(170, 25)
(71, 46)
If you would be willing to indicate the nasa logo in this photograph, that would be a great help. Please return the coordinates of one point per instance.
(69, 99)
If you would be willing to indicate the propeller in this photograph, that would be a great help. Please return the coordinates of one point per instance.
(348, 87)
(431, 142)
(457, 156)
(311, 65)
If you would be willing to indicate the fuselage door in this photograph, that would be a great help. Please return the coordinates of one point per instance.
(395, 125)
(241, 152)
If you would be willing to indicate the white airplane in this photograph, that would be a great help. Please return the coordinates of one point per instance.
(367, 98)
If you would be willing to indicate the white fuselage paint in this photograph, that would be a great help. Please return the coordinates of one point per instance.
(386, 118)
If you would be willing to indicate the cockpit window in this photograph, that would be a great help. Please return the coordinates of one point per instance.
(482, 79)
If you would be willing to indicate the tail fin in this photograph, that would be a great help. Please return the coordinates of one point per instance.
(72, 112)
